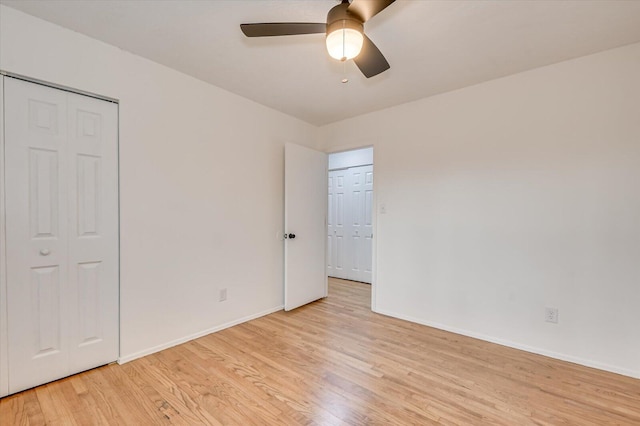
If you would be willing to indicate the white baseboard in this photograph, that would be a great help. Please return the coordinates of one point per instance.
(510, 344)
(158, 348)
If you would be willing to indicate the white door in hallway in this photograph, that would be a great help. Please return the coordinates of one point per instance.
(61, 191)
(336, 249)
(305, 220)
(360, 227)
(350, 230)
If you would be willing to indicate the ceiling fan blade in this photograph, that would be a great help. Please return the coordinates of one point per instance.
(367, 9)
(370, 60)
(282, 29)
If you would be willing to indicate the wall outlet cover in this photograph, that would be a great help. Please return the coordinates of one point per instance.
(551, 315)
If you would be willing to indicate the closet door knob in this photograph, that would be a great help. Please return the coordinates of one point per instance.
(45, 252)
(292, 236)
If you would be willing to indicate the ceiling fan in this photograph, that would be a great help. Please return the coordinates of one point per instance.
(345, 33)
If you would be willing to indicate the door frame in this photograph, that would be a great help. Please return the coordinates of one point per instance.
(374, 218)
(4, 338)
(4, 326)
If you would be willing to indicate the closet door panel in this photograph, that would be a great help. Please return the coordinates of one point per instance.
(336, 224)
(355, 223)
(359, 228)
(340, 189)
(35, 164)
(93, 231)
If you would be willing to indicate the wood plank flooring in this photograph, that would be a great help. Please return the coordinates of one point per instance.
(333, 362)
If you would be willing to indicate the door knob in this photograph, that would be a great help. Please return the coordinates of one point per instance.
(45, 252)
(292, 236)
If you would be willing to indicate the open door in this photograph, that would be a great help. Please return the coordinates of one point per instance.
(305, 212)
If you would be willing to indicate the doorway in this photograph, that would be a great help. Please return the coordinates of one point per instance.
(350, 215)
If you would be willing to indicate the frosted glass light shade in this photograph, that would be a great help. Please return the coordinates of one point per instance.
(344, 43)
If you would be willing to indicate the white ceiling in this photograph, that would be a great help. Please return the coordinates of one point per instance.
(432, 46)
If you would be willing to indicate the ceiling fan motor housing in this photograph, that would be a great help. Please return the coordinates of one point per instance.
(339, 17)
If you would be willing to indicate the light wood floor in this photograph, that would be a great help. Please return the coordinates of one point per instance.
(333, 362)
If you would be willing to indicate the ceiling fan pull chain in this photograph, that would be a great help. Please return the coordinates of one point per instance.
(344, 55)
(344, 72)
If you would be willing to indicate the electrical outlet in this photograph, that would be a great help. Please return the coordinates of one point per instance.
(223, 295)
(551, 315)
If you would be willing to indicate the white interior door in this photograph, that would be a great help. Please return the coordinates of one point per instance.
(350, 230)
(336, 250)
(62, 232)
(305, 194)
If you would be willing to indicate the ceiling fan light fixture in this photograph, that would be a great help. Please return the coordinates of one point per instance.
(344, 43)
(344, 29)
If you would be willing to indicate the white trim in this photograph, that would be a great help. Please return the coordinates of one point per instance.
(119, 236)
(374, 229)
(4, 338)
(556, 355)
(145, 352)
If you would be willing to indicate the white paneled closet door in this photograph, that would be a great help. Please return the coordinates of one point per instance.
(359, 228)
(62, 232)
(350, 230)
(336, 224)
(366, 230)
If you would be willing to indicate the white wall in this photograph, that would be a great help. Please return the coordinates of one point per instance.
(513, 195)
(351, 158)
(201, 184)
